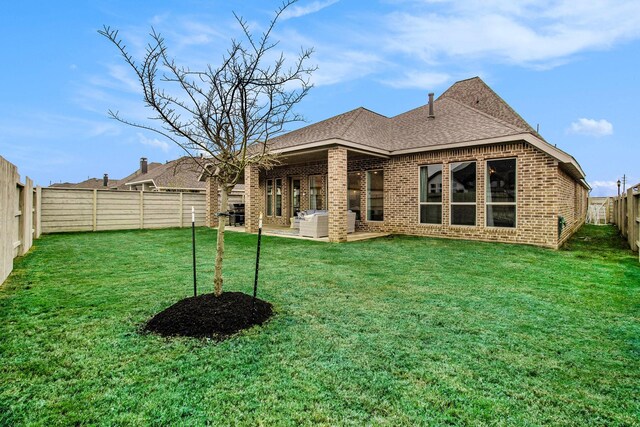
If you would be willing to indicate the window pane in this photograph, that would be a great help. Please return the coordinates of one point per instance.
(463, 182)
(501, 181)
(315, 198)
(431, 214)
(431, 183)
(269, 197)
(375, 196)
(501, 216)
(463, 214)
(278, 197)
(353, 200)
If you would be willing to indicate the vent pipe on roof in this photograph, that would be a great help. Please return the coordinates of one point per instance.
(431, 115)
(105, 180)
(143, 165)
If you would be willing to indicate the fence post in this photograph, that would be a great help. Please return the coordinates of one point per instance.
(141, 208)
(632, 232)
(95, 210)
(180, 211)
(26, 237)
(38, 213)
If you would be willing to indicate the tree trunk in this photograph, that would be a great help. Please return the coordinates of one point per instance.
(217, 278)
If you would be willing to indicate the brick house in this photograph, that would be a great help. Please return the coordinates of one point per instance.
(463, 166)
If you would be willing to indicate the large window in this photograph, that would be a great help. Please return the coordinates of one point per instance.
(269, 197)
(375, 195)
(463, 193)
(501, 193)
(315, 196)
(353, 187)
(431, 194)
(278, 197)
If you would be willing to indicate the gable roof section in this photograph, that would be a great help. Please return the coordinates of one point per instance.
(476, 94)
(360, 125)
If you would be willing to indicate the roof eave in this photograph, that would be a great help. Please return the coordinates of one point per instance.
(528, 137)
(327, 143)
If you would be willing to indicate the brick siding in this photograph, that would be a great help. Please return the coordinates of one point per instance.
(544, 192)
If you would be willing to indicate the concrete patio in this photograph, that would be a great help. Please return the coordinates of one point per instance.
(292, 233)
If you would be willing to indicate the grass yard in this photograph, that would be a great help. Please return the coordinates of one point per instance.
(393, 331)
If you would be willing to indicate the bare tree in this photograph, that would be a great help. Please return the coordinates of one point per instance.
(229, 113)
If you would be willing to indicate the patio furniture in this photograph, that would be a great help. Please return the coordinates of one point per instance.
(315, 225)
(351, 222)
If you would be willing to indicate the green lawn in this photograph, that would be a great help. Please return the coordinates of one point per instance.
(393, 331)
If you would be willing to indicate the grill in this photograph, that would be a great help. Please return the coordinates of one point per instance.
(236, 214)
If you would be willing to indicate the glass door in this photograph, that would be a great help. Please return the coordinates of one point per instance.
(295, 196)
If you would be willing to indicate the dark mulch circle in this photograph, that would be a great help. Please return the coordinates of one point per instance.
(210, 316)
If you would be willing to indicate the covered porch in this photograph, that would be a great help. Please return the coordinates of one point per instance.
(329, 179)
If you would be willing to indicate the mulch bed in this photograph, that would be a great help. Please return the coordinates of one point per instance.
(208, 316)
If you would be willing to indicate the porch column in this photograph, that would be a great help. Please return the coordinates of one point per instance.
(337, 175)
(251, 198)
(212, 202)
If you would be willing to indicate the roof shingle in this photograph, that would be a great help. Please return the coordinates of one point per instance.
(469, 110)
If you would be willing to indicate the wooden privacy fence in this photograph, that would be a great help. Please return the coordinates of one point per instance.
(19, 216)
(626, 215)
(69, 209)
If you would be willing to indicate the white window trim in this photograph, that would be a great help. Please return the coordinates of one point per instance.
(486, 188)
(430, 224)
(451, 202)
(367, 197)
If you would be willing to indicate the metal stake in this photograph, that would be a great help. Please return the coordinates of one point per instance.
(193, 239)
(255, 281)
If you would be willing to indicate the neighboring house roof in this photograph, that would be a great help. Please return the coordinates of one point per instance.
(122, 184)
(181, 173)
(468, 113)
(91, 183)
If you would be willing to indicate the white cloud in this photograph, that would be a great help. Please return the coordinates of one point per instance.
(344, 65)
(418, 80)
(540, 33)
(153, 142)
(604, 188)
(298, 11)
(591, 127)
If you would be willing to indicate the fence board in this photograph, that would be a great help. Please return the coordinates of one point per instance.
(76, 210)
(626, 216)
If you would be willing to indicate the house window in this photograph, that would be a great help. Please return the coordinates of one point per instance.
(278, 197)
(269, 190)
(463, 193)
(501, 193)
(315, 196)
(431, 194)
(375, 195)
(353, 188)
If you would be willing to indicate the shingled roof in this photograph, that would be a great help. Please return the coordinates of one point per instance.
(468, 113)
(91, 183)
(469, 110)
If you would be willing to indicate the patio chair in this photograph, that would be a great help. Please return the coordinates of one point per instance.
(315, 225)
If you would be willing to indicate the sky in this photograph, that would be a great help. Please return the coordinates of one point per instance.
(569, 67)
